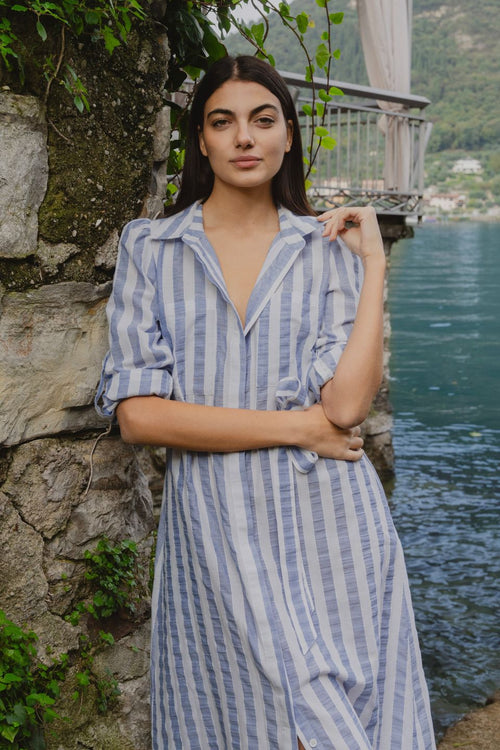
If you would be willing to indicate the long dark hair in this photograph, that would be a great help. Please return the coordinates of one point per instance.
(288, 188)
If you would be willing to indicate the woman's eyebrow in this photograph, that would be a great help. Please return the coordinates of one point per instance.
(255, 111)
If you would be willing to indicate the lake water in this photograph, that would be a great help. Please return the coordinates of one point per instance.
(445, 388)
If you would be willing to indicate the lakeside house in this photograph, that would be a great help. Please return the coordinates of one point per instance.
(467, 166)
(444, 201)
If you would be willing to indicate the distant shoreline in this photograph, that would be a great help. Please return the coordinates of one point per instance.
(449, 219)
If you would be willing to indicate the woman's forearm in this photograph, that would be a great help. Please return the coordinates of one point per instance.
(155, 421)
(152, 420)
(347, 397)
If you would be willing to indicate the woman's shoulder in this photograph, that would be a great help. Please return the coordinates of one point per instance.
(165, 227)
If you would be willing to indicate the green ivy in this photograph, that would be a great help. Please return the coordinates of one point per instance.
(195, 30)
(28, 688)
(103, 21)
(114, 569)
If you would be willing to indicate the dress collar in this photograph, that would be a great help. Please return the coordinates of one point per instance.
(289, 241)
(293, 228)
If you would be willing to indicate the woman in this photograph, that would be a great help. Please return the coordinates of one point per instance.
(248, 344)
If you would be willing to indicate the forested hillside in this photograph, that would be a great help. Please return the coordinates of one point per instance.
(456, 52)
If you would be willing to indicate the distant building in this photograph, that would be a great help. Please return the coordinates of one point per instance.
(467, 166)
(445, 201)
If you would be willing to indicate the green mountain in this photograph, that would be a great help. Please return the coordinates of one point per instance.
(456, 53)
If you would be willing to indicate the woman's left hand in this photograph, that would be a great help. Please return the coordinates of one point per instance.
(358, 227)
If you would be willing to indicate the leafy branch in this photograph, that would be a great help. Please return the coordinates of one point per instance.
(200, 34)
(319, 60)
(103, 21)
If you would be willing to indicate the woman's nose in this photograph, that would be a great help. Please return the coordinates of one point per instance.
(244, 138)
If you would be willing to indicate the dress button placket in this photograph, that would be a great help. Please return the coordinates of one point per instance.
(313, 743)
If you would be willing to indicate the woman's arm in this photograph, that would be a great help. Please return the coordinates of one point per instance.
(347, 397)
(157, 421)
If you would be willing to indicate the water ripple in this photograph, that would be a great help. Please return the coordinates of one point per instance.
(445, 374)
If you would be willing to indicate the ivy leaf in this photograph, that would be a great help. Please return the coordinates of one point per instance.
(213, 46)
(321, 3)
(110, 40)
(334, 91)
(307, 110)
(336, 18)
(320, 109)
(193, 73)
(336, 54)
(328, 142)
(284, 11)
(324, 96)
(322, 55)
(9, 733)
(92, 18)
(41, 30)
(309, 72)
(257, 32)
(321, 132)
(302, 22)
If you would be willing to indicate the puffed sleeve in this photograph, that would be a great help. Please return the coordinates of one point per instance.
(139, 360)
(339, 311)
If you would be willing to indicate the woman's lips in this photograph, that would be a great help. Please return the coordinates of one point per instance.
(245, 162)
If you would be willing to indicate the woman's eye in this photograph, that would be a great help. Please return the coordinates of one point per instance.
(266, 121)
(219, 123)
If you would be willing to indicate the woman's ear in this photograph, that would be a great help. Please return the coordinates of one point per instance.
(201, 142)
(289, 136)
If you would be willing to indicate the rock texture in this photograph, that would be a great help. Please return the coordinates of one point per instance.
(53, 341)
(47, 521)
(23, 173)
(478, 730)
(59, 233)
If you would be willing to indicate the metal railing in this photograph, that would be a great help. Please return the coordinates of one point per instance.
(356, 170)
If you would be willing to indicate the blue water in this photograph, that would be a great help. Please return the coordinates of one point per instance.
(444, 298)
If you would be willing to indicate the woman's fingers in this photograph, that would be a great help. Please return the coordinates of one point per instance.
(358, 226)
(354, 455)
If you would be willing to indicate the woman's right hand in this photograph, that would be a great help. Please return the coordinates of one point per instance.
(328, 440)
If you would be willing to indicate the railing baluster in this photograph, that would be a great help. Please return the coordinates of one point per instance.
(360, 153)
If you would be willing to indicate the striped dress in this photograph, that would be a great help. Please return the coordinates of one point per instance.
(281, 606)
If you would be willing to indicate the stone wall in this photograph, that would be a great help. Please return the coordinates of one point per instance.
(68, 183)
(377, 428)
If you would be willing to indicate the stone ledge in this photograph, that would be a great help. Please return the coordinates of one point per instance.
(53, 342)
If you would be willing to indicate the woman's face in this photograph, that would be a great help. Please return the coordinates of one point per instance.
(245, 135)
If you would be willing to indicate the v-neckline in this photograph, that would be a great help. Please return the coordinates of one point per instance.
(266, 255)
(285, 247)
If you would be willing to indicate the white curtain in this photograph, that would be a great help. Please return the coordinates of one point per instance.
(385, 27)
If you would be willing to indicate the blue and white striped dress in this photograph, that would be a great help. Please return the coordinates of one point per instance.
(281, 604)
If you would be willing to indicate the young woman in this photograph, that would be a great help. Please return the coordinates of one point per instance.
(250, 345)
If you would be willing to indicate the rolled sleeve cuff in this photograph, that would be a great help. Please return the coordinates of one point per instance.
(116, 386)
(323, 369)
(291, 394)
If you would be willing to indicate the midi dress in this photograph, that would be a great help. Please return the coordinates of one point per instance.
(281, 606)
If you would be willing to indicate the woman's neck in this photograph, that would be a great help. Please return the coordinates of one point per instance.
(240, 209)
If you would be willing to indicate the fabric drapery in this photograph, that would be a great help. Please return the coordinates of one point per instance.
(385, 28)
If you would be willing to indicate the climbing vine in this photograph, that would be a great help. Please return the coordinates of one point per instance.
(196, 30)
(103, 21)
(200, 44)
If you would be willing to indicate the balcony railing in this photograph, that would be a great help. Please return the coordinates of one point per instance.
(372, 142)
